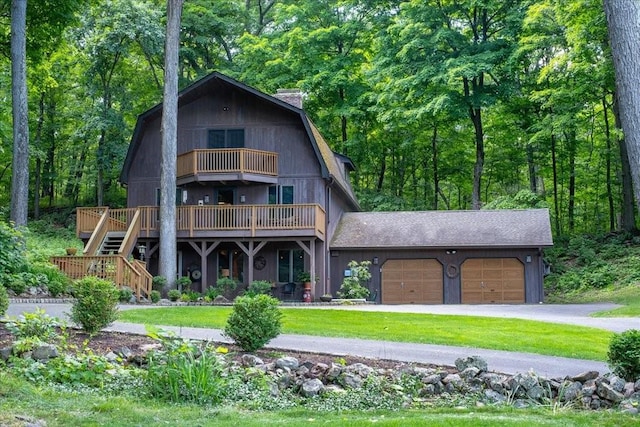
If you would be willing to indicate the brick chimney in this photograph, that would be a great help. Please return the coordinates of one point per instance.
(290, 96)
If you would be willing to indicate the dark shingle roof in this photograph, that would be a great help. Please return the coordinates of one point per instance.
(499, 228)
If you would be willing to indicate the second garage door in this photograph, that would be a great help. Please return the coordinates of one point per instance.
(412, 281)
(492, 280)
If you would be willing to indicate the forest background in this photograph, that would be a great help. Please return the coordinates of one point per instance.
(440, 104)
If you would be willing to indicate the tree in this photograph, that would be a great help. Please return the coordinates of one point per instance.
(168, 248)
(20, 177)
(623, 17)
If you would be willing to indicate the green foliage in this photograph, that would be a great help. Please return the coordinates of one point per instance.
(155, 296)
(12, 250)
(95, 306)
(174, 295)
(124, 294)
(352, 286)
(158, 282)
(183, 283)
(587, 263)
(524, 199)
(254, 321)
(259, 287)
(624, 354)
(37, 324)
(56, 281)
(190, 296)
(183, 372)
(4, 300)
(224, 286)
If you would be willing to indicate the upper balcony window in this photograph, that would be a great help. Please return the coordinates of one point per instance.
(226, 138)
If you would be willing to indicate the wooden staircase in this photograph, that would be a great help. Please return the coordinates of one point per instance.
(106, 254)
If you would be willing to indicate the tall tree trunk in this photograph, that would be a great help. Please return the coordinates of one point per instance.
(475, 114)
(571, 141)
(607, 132)
(623, 17)
(38, 171)
(434, 162)
(533, 179)
(168, 247)
(556, 201)
(628, 222)
(20, 175)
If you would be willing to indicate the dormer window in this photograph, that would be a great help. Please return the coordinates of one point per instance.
(226, 138)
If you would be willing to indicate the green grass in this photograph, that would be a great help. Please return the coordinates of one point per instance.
(20, 400)
(467, 331)
(627, 296)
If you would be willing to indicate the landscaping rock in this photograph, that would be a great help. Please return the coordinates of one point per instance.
(607, 392)
(312, 387)
(251, 360)
(44, 352)
(585, 376)
(287, 363)
(467, 362)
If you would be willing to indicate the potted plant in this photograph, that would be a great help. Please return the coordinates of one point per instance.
(71, 251)
(305, 278)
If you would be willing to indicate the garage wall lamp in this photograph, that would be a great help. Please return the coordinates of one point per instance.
(528, 258)
(375, 260)
(451, 251)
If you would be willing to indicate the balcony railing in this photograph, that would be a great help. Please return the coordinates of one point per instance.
(240, 220)
(227, 162)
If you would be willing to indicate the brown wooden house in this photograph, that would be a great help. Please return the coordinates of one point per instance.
(260, 196)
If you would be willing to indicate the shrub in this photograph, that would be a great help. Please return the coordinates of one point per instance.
(57, 288)
(96, 302)
(183, 283)
(352, 286)
(174, 295)
(15, 283)
(57, 282)
(624, 354)
(224, 286)
(158, 282)
(254, 321)
(154, 296)
(259, 287)
(124, 294)
(4, 300)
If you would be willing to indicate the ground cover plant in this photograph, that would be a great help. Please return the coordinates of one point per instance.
(587, 269)
(467, 331)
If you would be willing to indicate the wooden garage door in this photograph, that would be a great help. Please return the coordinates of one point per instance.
(412, 281)
(492, 280)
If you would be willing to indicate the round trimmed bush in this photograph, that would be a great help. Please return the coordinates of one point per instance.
(154, 296)
(624, 354)
(254, 321)
(96, 303)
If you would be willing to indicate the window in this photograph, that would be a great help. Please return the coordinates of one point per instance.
(290, 264)
(281, 195)
(226, 138)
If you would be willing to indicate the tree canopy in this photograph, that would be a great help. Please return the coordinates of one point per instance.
(440, 104)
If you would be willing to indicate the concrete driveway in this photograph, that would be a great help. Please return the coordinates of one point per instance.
(500, 361)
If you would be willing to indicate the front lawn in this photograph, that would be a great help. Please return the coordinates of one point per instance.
(466, 331)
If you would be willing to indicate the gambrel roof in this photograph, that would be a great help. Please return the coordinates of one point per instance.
(444, 229)
(329, 161)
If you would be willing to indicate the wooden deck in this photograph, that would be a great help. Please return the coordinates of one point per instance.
(232, 164)
(211, 221)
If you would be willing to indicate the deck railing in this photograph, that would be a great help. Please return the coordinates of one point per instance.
(115, 268)
(192, 218)
(227, 160)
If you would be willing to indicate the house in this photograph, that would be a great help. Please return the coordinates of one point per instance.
(261, 196)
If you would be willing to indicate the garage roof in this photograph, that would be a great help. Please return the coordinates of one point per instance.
(444, 229)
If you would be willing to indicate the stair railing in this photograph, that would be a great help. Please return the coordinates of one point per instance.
(98, 235)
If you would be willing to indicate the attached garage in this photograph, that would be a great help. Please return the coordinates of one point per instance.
(492, 280)
(445, 257)
(412, 281)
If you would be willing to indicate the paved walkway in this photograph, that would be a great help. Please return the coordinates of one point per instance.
(500, 361)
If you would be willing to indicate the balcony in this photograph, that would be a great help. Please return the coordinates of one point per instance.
(221, 221)
(227, 165)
